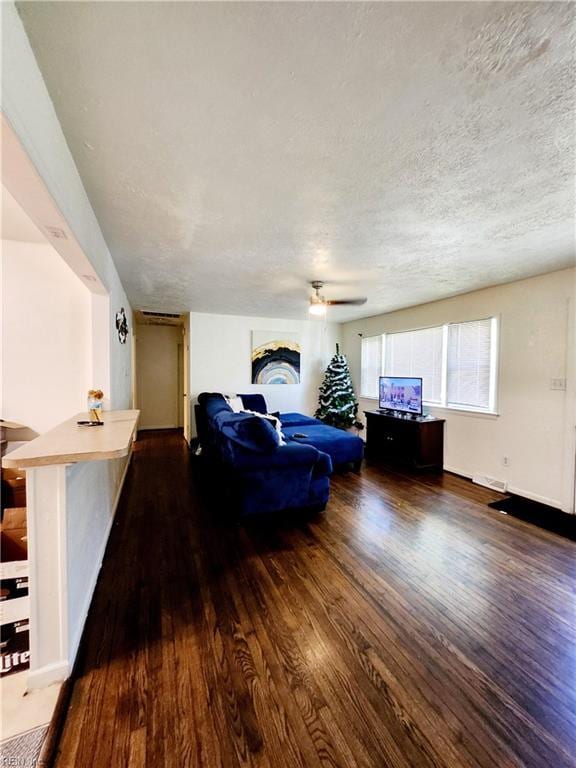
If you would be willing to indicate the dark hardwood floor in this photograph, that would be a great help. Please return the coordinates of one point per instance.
(410, 625)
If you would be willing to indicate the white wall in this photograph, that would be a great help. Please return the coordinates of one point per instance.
(220, 358)
(533, 421)
(46, 337)
(28, 107)
(157, 375)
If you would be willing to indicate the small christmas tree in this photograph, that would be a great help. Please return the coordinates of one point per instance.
(337, 402)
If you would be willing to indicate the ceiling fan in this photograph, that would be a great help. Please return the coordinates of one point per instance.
(318, 303)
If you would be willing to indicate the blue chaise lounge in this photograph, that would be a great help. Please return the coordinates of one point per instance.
(342, 447)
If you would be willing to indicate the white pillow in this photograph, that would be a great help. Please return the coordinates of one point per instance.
(234, 402)
(276, 423)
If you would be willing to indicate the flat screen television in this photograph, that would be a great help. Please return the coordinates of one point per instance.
(401, 393)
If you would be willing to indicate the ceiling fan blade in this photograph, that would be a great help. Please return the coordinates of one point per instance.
(354, 302)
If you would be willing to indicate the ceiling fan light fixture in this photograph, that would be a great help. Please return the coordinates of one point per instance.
(317, 304)
(317, 308)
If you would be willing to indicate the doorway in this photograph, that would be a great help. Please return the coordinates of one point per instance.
(161, 361)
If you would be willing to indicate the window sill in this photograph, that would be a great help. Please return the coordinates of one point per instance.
(445, 409)
(464, 411)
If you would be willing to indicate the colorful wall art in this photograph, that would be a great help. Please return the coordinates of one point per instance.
(275, 357)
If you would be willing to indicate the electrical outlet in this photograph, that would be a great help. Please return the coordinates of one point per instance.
(506, 461)
(558, 384)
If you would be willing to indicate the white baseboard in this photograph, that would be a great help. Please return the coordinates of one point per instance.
(75, 643)
(512, 489)
(535, 497)
(56, 672)
(457, 471)
(160, 426)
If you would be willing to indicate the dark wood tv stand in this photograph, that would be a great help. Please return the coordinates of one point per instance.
(414, 440)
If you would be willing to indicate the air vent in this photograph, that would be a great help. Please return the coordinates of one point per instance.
(89, 278)
(149, 317)
(490, 482)
(167, 315)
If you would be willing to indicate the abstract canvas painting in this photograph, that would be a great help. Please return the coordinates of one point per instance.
(275, 357)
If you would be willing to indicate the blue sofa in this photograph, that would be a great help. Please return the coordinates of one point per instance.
(266, 476)
(260, 475)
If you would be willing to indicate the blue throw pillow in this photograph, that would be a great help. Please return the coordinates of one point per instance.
(251, 432)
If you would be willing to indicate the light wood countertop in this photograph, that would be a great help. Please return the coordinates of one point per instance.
(68, 442)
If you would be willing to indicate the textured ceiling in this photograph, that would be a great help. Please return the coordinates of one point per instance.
(234, 151)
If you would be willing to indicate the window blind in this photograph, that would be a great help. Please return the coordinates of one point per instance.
(371, 366)
(469, 375)
(417, 353)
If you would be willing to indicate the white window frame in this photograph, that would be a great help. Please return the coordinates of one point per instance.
(491, 410)
(366, 338)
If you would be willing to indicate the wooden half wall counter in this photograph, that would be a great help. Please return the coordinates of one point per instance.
(74, 477)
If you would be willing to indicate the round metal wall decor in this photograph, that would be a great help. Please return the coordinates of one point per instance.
(122, 326)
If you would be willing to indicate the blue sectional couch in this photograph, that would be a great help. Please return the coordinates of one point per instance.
(262, 475)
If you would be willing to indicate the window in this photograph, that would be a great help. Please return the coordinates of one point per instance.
(417, 353)
(456, 361)
(471, 364)
(371, 366)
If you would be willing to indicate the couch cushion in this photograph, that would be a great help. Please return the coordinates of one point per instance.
(342, 447)
(286, 457)
(297, 419)
(254, 402)
(251, 432)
